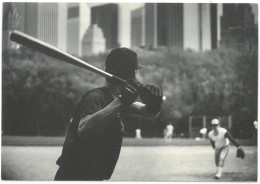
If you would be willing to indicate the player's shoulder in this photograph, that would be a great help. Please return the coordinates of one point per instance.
(96, 94)
(223, 130)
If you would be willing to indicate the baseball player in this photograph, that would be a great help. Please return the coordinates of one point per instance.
(94, 137)
(220, 139)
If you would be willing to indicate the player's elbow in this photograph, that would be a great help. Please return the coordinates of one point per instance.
(84, 127)
(81, 131)
(89, 127)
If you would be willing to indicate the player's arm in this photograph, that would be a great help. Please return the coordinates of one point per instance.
(229, 136)
(94, 123)
(212, 143)
(151, 106)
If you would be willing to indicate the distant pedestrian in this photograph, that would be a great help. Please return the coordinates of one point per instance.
(220, 139)
(255, 131)
(169, 132)
(138, 134)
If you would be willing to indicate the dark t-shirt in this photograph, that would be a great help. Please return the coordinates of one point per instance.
(95, 157)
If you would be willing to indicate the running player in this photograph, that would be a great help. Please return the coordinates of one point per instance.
(220, 139)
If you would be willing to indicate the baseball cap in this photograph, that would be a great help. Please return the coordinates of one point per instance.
(122, 62)
(215, 122)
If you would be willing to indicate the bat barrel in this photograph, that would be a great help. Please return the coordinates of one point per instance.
(54, 52)
(34, 43)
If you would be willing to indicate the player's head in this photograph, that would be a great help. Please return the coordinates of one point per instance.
(215, 123)
(122, 62)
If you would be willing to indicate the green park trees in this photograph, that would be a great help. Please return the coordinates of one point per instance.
(39, 93)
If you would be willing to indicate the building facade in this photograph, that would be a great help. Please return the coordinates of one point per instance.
(106, 17)
(78, 22)
(93, 41)
(45, 21)
(238, 26)
(186, 26)
(11, 20)
(137, 27)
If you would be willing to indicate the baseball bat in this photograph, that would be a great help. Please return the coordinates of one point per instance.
(34, 43)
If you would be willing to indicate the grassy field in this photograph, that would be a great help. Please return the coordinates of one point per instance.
(58, 141)
(140, 160)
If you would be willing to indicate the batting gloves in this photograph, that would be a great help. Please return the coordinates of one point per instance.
(129, 93)
(152, 97)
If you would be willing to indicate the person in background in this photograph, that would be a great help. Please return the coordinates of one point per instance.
(169, 132)
(138, 134)
(255, 131)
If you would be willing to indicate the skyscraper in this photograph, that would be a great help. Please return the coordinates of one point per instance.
(51, 26)
(93, 41)
(106, 17)
(186, 26)
(196, 27)
(45, 21)
(137, 27)
(78, 22)
(238, 28)
(11, 20)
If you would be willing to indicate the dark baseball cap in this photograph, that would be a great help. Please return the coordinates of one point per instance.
(122, 62)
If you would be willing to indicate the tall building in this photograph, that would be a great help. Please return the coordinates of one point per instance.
(93, 41)
(78, 22)
(137, 27)
(196, 27)
(11, 21)
(51, 26)
(45, 21)
(106, 17)
(238, 26)
(186, 26)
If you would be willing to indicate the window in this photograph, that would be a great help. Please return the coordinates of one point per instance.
(73, 12)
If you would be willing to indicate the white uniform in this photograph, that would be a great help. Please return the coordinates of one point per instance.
(169, 131)
(220, 139)
(255, 124)
(138, 134)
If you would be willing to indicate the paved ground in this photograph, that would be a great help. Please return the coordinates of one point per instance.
(136, 163)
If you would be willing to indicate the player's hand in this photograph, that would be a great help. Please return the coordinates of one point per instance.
(129, 93)
(152, 97)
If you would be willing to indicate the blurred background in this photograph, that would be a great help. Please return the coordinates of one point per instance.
(203, 56)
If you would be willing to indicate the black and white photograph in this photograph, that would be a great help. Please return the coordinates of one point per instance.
(129, 92)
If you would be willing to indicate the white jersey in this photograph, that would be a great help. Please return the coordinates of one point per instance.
(220, 139)
(170, 128)
(255, 124)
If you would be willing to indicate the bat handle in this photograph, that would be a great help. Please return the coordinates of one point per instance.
(118, 79)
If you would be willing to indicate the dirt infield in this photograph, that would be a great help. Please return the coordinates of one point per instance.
(136, 163)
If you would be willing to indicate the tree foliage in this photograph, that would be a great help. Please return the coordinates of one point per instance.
(40, 93)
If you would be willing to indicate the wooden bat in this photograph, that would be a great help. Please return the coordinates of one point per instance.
(34, 43)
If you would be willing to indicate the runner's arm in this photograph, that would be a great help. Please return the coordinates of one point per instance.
(229, 136)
